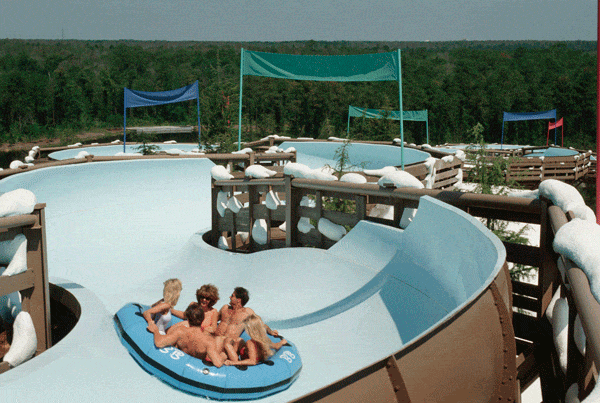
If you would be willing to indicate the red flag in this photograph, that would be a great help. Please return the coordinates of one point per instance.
(555, 125)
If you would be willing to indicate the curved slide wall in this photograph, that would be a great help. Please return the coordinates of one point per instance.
(117, 230)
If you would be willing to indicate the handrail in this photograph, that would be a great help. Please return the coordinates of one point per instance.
(458, 199)
(586, 304)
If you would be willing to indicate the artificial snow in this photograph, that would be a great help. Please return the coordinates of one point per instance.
(331, 230)
(24, 342)
(222, 243)
(296, 170)
(246, 150)
(304, 225)
(560, 332)
(400, 179)
(259, 232)
(234, 204)
(460, 154)
(221, 203)
(353, 177)
(579, 241)
(561, 194)
(272, 200)
(259, 172)
(380, 172)
(16, 202)
(220, 173)
(14, 254)
(15, 164)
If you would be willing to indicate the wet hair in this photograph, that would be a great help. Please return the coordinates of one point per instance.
(255, 328)
(194, 314)
(171, 291)
(241, 293)
(209, 291)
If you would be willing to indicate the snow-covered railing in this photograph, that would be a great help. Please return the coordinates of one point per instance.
(575, 320)
(32, 283)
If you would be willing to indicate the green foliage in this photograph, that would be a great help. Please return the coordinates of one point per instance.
(50, 86)
(489, 175)
(146, 148)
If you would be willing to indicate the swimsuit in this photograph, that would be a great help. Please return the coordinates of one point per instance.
(162, 321)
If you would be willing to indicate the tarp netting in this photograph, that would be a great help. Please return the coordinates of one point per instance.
(134, 98)
(416, 116)
(516, 116)
(347, 68)
(370, 67)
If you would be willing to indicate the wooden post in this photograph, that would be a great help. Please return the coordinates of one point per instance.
(291, 213)
(38, 297)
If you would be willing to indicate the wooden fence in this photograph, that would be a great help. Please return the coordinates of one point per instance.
(532, 170)
(33, 283)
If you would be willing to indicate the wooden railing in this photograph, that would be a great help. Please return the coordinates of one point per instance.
(533, 335)
(581, 368)
(33, 283)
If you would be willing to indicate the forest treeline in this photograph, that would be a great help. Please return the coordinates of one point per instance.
(47, 87)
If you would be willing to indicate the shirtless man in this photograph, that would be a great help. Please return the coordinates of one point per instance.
(191, 340)
(232, 318)
(232, 315)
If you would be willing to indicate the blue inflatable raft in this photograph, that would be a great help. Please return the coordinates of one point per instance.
(199, 377)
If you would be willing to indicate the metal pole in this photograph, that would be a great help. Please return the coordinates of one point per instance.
(124, 123)
(240, 109)
(401, 110)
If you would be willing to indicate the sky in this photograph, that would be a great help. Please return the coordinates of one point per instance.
(284, 20)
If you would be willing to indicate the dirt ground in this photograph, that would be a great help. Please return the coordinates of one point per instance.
(45, 142)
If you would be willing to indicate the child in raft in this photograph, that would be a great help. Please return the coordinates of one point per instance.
(160, 312)
(258, 349)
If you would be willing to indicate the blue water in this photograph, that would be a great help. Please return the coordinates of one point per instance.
(111, 150)
(361, 156)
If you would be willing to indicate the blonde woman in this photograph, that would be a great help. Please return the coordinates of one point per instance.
(259, 348)
(160, 312)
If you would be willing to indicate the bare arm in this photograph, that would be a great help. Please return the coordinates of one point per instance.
(164, 340)
(214, 318)
(177, 313)
(159, 307)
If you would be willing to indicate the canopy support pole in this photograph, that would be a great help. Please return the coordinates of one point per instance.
(427, 125)
(124, 124)
(240, 109)
(401, 110)
(199, 129)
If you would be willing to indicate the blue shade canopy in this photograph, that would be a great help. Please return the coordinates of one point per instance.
(370, 67)
(134, 98)
(515, 116)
